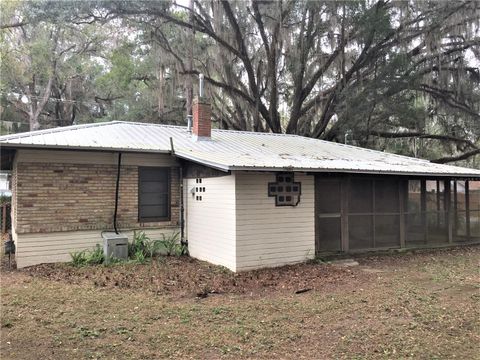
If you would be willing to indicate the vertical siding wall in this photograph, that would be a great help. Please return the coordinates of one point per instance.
(211, 221)
(269, 235)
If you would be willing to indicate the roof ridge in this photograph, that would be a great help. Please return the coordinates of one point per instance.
(147, 124)
(219, 130)
(54, 130)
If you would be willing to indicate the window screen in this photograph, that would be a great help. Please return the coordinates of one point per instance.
(153, 194)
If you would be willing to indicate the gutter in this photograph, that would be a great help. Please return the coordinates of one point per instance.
(81, 148)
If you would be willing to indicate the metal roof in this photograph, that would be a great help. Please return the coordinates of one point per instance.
(232, 150)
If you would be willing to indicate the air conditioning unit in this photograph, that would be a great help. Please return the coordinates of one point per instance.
(115, 246)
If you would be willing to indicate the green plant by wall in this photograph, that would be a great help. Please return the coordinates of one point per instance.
(140, 250)
(88, 257)
(173, 247)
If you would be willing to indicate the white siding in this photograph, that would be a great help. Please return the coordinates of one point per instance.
(94, 157)
(211, 221)
(38, 248)
(269, 235)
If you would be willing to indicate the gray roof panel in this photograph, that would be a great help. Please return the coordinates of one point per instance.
(232, 150)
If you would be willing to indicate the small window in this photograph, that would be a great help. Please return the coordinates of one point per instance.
(153, 194)
(285, 190)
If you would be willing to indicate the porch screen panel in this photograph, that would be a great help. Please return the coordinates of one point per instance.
(474, 206)
(387, 230)
(460, 212)
(387, 213)
(360, 199)
(329, 233)
(329, 201)
(328, 214)
(437, 231)
(360, 232)
(415, 227)
(374, 213)
(360, 214)
(386, 196)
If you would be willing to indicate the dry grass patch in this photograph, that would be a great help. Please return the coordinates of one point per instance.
(421, 305)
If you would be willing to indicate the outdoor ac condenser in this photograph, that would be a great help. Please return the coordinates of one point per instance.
(115, 245)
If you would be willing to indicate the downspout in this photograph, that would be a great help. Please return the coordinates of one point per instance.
(183, 242)
(116, 193)
(182, 212)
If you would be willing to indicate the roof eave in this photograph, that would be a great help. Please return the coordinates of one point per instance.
(354, 171)
(82, 148)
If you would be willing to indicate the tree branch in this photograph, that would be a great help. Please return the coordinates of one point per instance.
(463, 156)
(417, 134)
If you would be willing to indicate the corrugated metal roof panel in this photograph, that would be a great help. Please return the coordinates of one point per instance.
(233, 150)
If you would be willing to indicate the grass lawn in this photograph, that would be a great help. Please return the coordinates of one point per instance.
(421, 305)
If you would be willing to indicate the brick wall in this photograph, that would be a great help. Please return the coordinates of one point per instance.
(66, 197)
(202, 114)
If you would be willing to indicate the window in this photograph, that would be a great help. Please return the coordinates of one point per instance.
(153, 194)
(286, 191)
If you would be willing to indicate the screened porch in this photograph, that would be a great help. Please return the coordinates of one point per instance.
(361, 213)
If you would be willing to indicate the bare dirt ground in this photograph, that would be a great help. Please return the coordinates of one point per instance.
(422, 305)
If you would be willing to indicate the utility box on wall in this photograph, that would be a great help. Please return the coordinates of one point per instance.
(115, 246)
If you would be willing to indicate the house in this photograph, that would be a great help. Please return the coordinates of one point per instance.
(242, 200)
(5, 184)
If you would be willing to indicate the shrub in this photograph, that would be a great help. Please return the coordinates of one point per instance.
(5, 199)
(140, 250)
(173, 246)
(78, 258)
(141, 242)
(88, 257)
(96, 256)
(139, 257)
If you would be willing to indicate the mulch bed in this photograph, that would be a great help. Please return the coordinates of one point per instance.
(189, 277)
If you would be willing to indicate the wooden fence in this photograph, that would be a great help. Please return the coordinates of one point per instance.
(6, 218)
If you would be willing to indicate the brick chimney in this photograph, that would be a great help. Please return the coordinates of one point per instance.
(202, 115)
